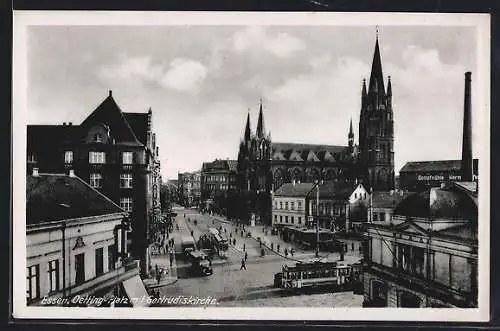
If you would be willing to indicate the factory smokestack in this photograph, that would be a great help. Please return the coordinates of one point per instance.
(467, 174)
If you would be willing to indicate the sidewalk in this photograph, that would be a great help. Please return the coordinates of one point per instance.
(300, 255)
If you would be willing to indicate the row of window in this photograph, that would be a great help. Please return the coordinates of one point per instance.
(292, 205)
(212, 178)
(292, 219)
(361, 196)
(33, 276)
(94, 157)
(96, 180)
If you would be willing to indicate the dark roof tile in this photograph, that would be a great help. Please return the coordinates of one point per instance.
(58, 197)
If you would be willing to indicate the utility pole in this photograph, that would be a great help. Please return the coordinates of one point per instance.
(317, 217)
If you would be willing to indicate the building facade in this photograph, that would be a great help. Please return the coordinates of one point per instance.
(75, 243)
(422, 175)
(382, 204)
(426, 254)
(189, 188)
(218, 183)
(341, 205)
(116, 153)
(263, 165)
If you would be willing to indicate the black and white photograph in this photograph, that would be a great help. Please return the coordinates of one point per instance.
(220, 166)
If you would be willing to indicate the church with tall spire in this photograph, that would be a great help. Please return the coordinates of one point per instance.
(263, 165)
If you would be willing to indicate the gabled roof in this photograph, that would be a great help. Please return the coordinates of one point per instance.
(292, 150)
(441, 165)
(52, 198)
(337, 189)
(381, 199)
(109, 112)
(294, 190)
(139, 124)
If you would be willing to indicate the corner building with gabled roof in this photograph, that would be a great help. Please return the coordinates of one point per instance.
(116, 153)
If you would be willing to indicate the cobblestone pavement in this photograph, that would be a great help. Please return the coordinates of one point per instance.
(234, 287)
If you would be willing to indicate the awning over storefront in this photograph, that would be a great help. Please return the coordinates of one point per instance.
(136, 292)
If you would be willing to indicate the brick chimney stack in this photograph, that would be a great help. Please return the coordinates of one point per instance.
(466, 167)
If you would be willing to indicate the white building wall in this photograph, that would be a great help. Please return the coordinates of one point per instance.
(46, 245)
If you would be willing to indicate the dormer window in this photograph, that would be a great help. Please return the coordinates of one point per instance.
(98, 138)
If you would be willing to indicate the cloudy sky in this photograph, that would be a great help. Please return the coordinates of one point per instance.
(200, 82)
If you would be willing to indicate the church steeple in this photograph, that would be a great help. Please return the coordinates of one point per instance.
(260, 123)
(248, 131)
(350, 137)
(376, 76)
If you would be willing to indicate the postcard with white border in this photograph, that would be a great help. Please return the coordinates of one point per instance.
(247, 165)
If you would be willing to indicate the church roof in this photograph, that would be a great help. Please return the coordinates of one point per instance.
(303, 152)
(52, 197)
(109, 112)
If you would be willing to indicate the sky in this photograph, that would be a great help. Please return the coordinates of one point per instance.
(201, 81)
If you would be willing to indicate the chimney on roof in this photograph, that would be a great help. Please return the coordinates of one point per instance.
(35, 172)
(71, 173)
(110, 93)
(70, 123)
(64, 123)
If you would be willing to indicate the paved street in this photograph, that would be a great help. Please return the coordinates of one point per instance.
(253, 286)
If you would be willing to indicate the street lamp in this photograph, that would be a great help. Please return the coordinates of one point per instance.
(317, 183)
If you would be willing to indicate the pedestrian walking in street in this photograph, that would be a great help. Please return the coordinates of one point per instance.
(291, 251)
(158, 277)
(242, 233)
(246, 256)
(244, 246)
(286, 252)
(278, 248)
(171, 258)
(234, 241)
(243, 265)
(272, 246)
(192, 233)
(230, 235)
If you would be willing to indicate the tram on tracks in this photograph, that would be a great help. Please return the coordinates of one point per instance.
(319, 274)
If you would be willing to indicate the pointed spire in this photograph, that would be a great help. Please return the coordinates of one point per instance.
(363, 92)
(260, 123)
(248, 131)
(376, 73)
(351, 133)
(389, 87)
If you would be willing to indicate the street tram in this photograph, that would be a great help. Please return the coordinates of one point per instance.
(319, 274)
(220, 242)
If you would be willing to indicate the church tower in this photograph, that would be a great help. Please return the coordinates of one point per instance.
(376, 129)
